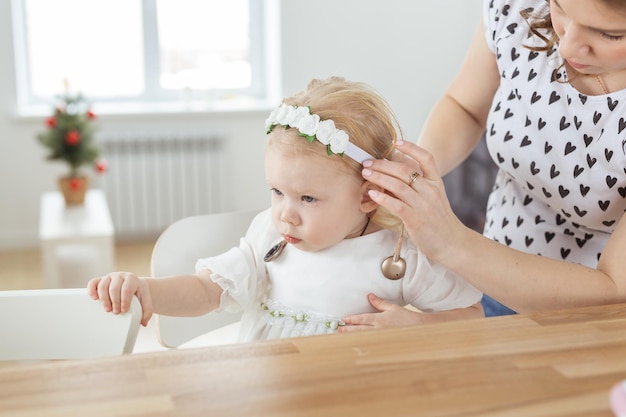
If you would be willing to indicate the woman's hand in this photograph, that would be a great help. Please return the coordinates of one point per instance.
(389, 315)
(393, 315)
(422, 205)
(116, 290)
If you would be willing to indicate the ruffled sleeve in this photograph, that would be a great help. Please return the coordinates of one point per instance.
(241, 272)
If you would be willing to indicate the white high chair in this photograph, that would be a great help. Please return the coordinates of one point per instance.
(64, 323)
(176, 252)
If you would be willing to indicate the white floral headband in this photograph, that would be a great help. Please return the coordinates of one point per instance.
(312, 127)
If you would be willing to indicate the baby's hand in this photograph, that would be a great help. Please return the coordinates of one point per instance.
(115, 292)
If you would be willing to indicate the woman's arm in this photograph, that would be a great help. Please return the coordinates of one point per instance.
(528, 283)
(521, 281)
(457, 121)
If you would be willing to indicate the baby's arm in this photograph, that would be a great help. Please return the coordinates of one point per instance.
(393, 315)
(180, 295)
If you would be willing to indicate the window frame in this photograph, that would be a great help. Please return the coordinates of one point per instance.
(263, 48)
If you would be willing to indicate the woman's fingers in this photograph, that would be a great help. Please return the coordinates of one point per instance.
(388, 315)
(365, 319)
(423, 205)
(396, 170)
(402, 196)
(402, 173)
(423, 158)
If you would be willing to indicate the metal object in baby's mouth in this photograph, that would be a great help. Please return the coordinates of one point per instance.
(275, 251)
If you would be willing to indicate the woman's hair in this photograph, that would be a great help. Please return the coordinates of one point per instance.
(356, 109)
(541, 25)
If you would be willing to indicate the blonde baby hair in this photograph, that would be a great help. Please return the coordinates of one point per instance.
(358, 110)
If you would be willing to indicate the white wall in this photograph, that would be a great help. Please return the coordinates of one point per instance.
(407, 50)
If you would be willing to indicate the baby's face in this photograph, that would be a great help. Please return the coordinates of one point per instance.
(315, 204)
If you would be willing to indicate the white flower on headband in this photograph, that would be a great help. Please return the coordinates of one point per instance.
(310, 126)
(339, 141)
(328, 134)
(325, 131)
(298, 113)
(279, 115)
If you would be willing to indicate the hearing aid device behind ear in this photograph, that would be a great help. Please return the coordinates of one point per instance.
(394, 267)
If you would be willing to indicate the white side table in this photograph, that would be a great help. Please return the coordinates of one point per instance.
(77, 242)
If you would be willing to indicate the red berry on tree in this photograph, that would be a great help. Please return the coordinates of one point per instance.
(90, 115)
(51, 121)
(76, 183)
(101, 166)
(72, 137)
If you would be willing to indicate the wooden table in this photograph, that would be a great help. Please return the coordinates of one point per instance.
(552, 364)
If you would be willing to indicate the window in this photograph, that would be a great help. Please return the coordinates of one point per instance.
(140, 50)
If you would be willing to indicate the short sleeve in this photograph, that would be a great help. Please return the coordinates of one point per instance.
(488, 11)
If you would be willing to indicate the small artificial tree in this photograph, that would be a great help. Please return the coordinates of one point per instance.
(69, 135)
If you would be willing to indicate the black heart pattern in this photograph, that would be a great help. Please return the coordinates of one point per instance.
(576, 174)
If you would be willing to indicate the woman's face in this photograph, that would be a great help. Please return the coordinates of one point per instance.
(592, 35)
(315, 204)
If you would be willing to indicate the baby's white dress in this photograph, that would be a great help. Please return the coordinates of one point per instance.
(307, 293)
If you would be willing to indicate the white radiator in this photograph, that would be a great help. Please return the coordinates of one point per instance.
(155, 178)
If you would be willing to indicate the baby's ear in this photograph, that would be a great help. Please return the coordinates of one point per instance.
(367, 204)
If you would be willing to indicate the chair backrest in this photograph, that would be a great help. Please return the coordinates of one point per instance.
(178, 249)
(63, 324)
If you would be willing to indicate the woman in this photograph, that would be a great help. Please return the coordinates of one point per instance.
(545, 82)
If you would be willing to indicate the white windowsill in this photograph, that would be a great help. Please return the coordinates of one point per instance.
(111, 110)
